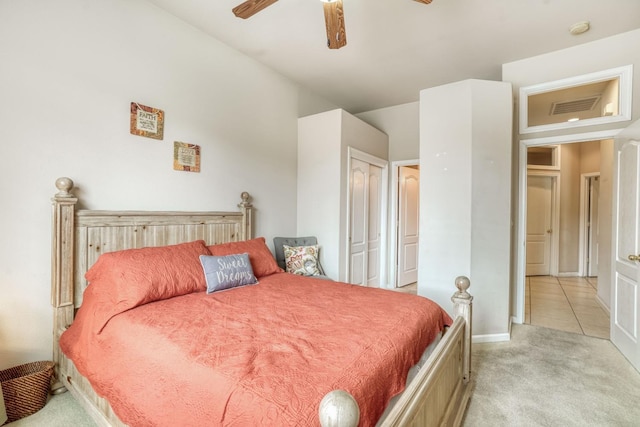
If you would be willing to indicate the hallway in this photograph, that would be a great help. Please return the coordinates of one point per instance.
(567, 304)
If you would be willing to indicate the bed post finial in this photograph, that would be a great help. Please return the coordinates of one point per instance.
(339, 409)
(462, 283)
(462, 305)
(246, 200)
(64, 185)
(247, 210)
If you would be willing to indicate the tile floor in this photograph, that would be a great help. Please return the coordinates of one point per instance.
(565, 303)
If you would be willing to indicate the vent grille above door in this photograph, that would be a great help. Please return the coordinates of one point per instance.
(574, 106)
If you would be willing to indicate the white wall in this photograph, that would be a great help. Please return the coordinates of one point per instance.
(590, 157)
(576, 159)
(318, 177)
(605, 207)
(68, 72)
(569, 209)
(465, 207)
(402, 124)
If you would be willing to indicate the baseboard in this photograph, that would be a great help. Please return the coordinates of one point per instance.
(476, 339)
(603, 305)
(512, 321)
(569, 274)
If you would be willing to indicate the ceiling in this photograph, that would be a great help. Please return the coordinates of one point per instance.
(395, 48)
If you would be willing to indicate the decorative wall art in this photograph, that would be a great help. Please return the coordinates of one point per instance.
(147, 121)
(186, 157)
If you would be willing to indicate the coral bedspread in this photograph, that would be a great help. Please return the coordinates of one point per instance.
(264, 354)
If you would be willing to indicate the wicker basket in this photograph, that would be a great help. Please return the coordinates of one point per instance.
(26, 388)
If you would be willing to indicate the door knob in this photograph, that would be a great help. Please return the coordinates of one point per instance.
(634, 257)
(549, 231)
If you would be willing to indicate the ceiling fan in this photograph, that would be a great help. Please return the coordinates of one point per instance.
(333, 17)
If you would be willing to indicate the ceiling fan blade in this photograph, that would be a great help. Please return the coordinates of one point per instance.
(251, 7)
(334, 20)
(424, 1)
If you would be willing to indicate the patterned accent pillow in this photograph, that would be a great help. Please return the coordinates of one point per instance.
(302, 260)
(228, 271)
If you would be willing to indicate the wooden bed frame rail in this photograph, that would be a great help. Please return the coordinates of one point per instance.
(438, 394)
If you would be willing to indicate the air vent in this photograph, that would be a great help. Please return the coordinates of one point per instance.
(574, 106)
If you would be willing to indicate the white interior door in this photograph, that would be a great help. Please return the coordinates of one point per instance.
(625, 298)
(408, 229)
(374, 226)
(359, 201)
(538, 244)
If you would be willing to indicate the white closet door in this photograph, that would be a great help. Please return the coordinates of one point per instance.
(374, 227)
(365, 234)
(358, 233)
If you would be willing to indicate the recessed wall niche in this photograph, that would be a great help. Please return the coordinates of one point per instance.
(590, 99)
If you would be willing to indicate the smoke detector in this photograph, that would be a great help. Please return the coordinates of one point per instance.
(579, 28)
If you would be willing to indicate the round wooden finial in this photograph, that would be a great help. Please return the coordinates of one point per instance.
(245, 200)
(64, 186)
(462, 283)
(339, 409)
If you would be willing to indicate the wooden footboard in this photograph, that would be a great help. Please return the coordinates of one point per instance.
(437, 395)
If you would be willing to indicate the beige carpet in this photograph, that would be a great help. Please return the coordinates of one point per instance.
(542, 377)
(60, 411)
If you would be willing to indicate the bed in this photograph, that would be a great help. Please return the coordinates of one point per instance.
(290, 387)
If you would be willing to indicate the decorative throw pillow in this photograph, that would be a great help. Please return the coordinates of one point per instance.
(228, 271)
(262, 260)
(302, 260)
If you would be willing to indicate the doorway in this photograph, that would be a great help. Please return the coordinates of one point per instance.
(562, 230)
(405, 216)
(412, 228)
(521, 218)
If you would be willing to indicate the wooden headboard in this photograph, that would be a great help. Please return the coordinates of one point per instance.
(81, 235)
